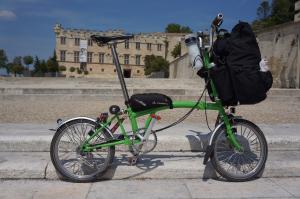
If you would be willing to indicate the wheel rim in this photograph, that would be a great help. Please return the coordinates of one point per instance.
(72, 160)
(238, 164)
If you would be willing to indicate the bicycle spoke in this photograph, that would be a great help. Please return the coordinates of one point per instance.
(239, 164)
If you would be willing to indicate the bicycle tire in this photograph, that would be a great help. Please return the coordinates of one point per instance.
(89, 160)
(220, 141)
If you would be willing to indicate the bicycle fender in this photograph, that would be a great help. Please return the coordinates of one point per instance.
(214, 132)
(209, 149)
(86, 118)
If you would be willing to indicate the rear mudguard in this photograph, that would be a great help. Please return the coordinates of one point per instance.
(86, 118)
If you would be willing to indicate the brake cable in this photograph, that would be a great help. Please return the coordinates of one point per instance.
(186, 115)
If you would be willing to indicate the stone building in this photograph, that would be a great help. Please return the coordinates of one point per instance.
(99, 59)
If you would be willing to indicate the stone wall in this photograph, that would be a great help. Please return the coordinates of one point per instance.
(182, 69)
(280, 45)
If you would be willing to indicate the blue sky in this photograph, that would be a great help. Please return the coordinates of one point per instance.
(26, 26)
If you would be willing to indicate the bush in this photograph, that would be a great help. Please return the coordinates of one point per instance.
(79, 71)
(72, 69)
(176, 51)
(86, 72)
(62, 68)
(156, 64)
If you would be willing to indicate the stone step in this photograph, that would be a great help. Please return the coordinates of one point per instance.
(167, 165)
(87, 83)
(184, 137)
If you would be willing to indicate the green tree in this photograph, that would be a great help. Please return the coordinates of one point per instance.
(44, 67)
(280, 11)
(176, 52)
(173, 28)
(155, 64)
(52, 64)
(3, 60)
(263, 11)
(186, 29)
(283, 11)
(177, 28)
(28, 60)
(16, 66)
(37, 66)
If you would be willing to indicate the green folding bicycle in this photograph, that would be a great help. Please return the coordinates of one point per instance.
(82, 149)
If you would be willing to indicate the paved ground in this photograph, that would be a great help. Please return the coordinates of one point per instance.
(24, 153)
(166, 173)
(186, 136)
(183, 188)
(155, 165)
(41, 109)
(47, 99)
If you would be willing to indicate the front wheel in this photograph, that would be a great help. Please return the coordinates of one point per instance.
(70, 161)
(242, 165)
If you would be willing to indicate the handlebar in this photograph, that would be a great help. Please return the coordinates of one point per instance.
(218, 20)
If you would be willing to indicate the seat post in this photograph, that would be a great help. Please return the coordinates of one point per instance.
(120, 73)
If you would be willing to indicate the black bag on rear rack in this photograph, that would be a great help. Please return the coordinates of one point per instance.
(237, 76)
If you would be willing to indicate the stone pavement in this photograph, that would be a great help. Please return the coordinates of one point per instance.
(155, 165)
(186, 136)
(152, 189)
(24, 153)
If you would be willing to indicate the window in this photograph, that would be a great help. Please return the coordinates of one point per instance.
(148, 46)
(126, 44)
(115, 70)
(159, 47)
(90, 42)
(102, 70)
(89, 57)
(138, 71)
(76, 56)
(138, 45)
(138, 60)
(62, 55)
(77, 41)
(126, 59)
(101, 58)
(63, 40)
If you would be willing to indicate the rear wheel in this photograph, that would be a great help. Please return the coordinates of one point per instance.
(242, 165)
(70, 161)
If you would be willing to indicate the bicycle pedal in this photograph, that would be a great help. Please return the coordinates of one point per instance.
(132, 160)
(120, 137)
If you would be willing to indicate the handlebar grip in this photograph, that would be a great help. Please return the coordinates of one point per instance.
(218, 20)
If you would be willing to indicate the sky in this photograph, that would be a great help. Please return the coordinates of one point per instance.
(26, 26)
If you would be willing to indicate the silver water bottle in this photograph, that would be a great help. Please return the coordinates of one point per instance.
(194, 52)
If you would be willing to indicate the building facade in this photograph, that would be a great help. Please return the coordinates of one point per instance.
(99, 59)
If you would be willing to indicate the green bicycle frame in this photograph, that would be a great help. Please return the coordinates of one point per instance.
(202, 105)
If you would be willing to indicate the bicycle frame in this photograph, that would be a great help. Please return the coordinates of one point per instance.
(202, 105)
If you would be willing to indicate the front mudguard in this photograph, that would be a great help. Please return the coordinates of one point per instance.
(210, 149)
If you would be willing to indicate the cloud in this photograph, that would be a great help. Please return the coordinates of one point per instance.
(7, 15)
